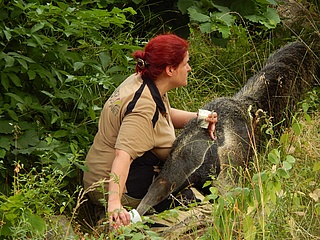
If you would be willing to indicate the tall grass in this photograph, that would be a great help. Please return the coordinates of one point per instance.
(218, 71)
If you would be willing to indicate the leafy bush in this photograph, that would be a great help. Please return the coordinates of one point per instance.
(220, 16)
(58, 64)
(37, 196)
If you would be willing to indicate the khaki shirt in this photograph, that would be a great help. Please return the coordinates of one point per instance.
(132, 123)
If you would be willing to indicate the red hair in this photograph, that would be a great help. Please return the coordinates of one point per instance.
(160, 52)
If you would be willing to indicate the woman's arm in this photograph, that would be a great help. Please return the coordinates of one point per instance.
(180, 118)
(119, 174)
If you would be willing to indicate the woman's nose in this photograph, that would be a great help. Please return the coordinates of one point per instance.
(189, 68)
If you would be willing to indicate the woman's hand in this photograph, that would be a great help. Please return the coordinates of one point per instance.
(118, 215)
(212, 119)
(119, 173)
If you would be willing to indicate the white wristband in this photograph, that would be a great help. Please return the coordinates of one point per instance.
(202, 115)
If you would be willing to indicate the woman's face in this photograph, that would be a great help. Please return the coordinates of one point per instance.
(180, 74)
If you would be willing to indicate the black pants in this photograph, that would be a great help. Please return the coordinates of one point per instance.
(141, 175)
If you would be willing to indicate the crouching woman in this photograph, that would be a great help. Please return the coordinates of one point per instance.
(136, 127)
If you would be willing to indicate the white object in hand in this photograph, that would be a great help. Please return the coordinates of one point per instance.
(135, 216)
(202, 115)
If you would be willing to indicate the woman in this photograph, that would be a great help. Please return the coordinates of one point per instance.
(136, 126)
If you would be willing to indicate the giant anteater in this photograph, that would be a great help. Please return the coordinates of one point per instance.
(276, 89)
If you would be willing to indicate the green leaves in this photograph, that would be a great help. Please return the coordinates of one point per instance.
(220, 18)
(249, 228)
(93, 20)
(14, 63)
(274, 156)
(37, 27)
(15, 97)
(287, 164)
(283, 167)
(196, 16)
(316, 166)
(13, 210)
(37, 224)
(39, 194)
(58, 63)
(215, 21)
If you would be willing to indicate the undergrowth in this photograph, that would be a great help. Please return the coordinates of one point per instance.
(43, 141)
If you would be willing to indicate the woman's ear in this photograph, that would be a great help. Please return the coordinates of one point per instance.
(169, 70)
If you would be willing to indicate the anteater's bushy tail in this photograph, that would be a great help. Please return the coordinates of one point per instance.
(279, 85)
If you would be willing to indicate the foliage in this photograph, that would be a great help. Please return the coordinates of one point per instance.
(215, 17)
(59, 62)
(36, 196)
(219, 17)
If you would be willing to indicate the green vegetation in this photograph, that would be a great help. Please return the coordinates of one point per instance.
(60, 61)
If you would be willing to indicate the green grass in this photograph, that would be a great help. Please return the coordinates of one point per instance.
(218, 71)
